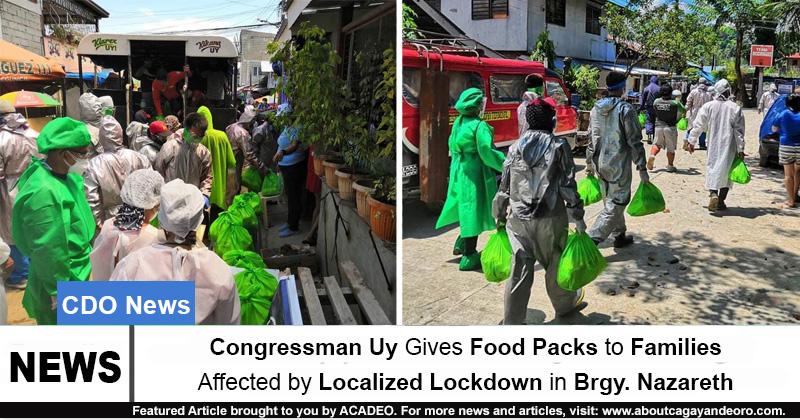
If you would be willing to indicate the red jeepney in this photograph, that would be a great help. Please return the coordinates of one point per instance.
(502, 79)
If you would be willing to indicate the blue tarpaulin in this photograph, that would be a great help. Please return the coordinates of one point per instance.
(708, 76)
(769, 118)
(89, 76)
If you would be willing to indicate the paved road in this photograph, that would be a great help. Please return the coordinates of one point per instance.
(740, 267)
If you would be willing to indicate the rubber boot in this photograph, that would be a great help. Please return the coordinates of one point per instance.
(470, 262)
(460, 246)
(622, 240)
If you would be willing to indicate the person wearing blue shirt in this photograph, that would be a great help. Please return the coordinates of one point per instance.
(788, 125)
(291, 159)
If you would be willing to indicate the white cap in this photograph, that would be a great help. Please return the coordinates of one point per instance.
(181, 210)
(142, 189)
(676, 93)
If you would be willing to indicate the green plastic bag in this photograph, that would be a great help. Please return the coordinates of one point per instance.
(589, 190)
(256, 289)
(642, 119)
(251, 179)
(683, 124)
(224, 220)
(252, 199)
(243, 259)
(246, 213)
(496, 257)
(647, 200)
(273, 184)
(581, 262)
(739, 173)
(233, 238)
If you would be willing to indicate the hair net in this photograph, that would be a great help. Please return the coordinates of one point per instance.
(181, 210)
(703, 81)
(248, 114)
(110, 135)
(106, 101)
(676, 93)
(142, 189)
(539, 115)
(6, 107)
(470, 102)
(722, 87)
(63, 133)
(172, 122)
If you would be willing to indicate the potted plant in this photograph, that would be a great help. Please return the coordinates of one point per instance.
(317, 93)
(349, 173)
(382, 203)
(363, 189)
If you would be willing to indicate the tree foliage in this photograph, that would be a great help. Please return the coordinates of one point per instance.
(545, 50)
(646, 30)
(410, 23)
(318, 95)
(585, 83)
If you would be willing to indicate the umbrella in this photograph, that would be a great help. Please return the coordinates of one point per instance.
(25, 99)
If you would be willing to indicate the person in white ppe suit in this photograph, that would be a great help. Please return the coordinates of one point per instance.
(137, 127)
(6, 267)
(698, 97)
(177, 259)
(17, 145)
(724, 122)
(537, 193)
(153, 140)
(130, 229)
(239, 137)
(92, 110)
(107, 171)
(615, 143)
(768, 98)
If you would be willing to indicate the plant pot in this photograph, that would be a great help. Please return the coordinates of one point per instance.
(346, 178)
(319, 168)
(382, 219)
(331, 165)
(363, 188)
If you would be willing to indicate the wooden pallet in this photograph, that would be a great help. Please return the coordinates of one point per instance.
(345, 305)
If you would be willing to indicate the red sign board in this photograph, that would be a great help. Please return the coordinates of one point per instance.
(761, 55)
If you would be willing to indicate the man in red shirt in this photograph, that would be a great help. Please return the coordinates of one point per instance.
(165, 85)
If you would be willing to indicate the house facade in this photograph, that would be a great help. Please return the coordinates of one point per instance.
(512, 26)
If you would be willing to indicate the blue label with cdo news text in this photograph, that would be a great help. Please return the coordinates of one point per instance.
(125, 303)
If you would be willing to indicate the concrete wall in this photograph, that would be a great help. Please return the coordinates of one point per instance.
(358, 249)
(21, 24)
(571, 40)
(508, 34)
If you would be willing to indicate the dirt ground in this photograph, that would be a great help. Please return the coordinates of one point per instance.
(687, 266)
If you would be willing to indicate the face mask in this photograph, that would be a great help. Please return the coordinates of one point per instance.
(189, 137)
(80, 165)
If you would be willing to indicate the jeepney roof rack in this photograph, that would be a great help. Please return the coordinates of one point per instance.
(444, 44)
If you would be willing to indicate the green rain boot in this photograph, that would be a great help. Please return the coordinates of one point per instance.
(460, 247)
(470, 262)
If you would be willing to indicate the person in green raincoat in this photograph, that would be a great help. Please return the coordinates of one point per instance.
(473, 182)
(52, 222)
(223, 162)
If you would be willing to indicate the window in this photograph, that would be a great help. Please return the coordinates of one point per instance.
(256, 71)
(507, 88)
(489, 9)
(593, 19)
(412, 78)
(555, 91)
(556, 13)
(461, 81)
